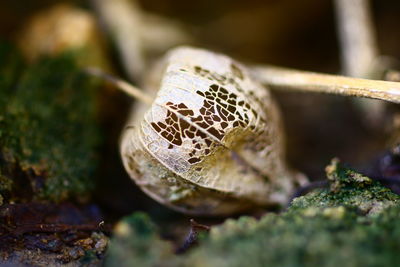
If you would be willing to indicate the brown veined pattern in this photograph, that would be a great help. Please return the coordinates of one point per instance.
(212, 141)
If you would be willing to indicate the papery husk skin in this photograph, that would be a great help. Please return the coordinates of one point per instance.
(226, 152)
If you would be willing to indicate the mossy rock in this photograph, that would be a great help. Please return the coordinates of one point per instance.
(353, 223)
(49, 130)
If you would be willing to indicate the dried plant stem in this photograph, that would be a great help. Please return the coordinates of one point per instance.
(324, 83)
(357, 37)
(283, 78)
(359, 51)
(121, 84)
(122, 19)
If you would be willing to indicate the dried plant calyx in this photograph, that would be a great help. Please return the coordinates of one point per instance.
(211, 143)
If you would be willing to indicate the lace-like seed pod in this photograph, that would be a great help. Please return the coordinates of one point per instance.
(211, 143)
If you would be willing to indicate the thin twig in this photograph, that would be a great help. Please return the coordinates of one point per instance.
(191, 238)
(357, 37)
(359, 50)
(122, 19)
(121, 84)
(282, 78)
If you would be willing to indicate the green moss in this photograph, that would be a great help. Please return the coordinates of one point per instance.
(136, 243)
(353, 223)
(48, 128)
(349, 189)
(304, 240)
(344, 178)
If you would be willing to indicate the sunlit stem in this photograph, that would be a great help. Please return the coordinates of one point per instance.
(122, 85)
(282, 78)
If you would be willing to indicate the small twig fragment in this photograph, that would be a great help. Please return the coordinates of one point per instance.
(191, 238)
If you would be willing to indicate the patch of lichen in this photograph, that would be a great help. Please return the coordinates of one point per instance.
(48, 128)
(355, 222)
(349, 189)
(136, 242)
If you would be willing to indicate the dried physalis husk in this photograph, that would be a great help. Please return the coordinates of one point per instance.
(211, 143)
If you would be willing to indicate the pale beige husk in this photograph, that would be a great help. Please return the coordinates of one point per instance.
(226, 151)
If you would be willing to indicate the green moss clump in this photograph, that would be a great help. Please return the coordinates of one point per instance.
(349, 189)
(136, 243)
(354, 223)
(317, 239)
(48, 128)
